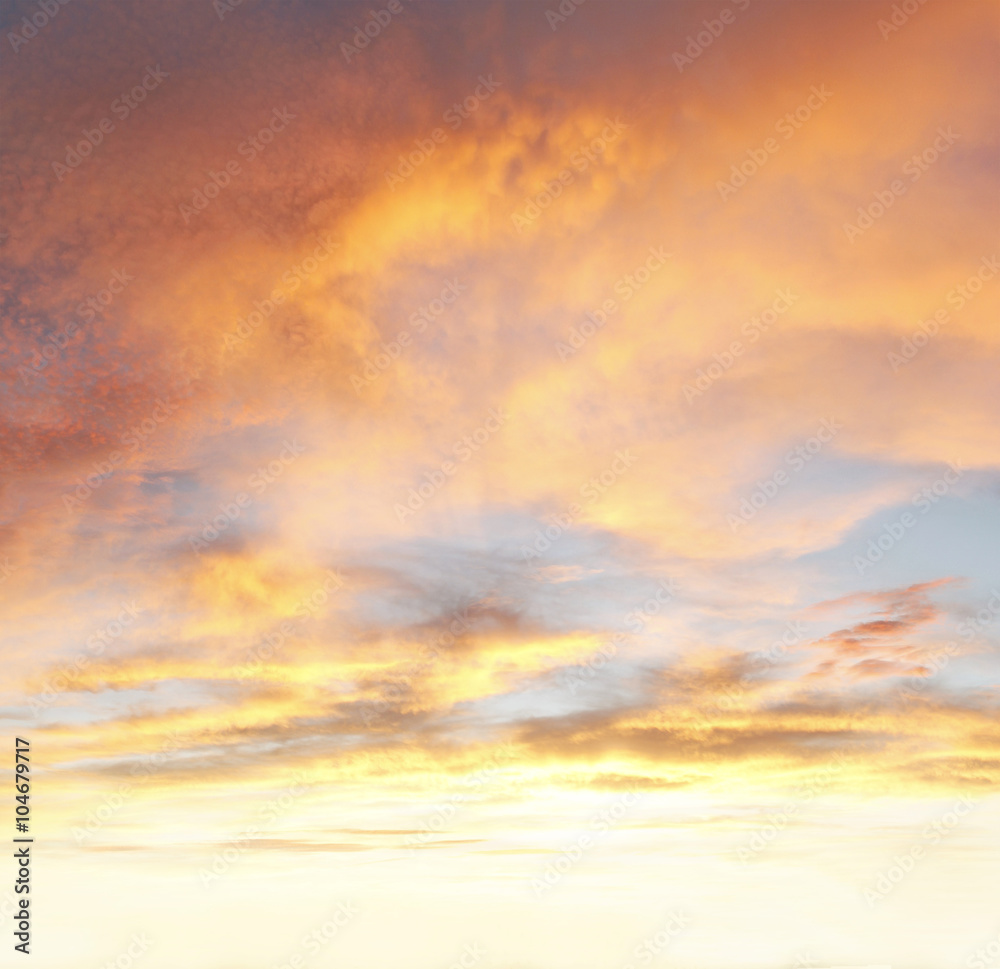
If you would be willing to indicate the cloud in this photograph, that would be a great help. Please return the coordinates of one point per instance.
(470, 639)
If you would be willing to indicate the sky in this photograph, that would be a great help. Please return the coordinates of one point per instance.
(502, 484)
